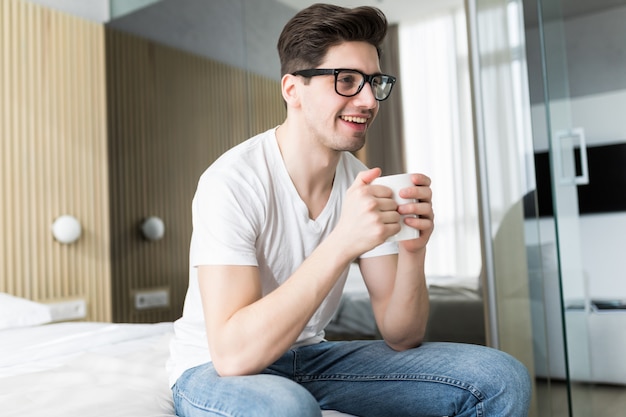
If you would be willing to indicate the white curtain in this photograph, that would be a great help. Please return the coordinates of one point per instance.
(506, 106)
(438, 132)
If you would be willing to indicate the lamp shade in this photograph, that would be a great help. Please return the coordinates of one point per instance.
(153, 228)
(66, 229)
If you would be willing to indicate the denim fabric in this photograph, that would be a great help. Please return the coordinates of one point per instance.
(365, 378)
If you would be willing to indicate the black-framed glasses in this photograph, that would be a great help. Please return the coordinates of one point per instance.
(350, 82)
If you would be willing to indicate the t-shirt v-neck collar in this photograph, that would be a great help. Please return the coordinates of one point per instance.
(280, 171)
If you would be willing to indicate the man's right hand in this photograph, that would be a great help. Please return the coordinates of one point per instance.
(369, 214)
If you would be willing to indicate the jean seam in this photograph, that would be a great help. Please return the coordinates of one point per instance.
(294, 369)
(397, 377)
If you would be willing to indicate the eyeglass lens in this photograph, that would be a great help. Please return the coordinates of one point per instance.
(349, 83)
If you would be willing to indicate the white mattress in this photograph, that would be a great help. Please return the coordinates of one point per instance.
(87, 369)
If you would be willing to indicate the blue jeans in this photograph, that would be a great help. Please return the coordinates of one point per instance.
(364, 378)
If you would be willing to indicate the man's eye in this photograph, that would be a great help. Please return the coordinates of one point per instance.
(346, 79)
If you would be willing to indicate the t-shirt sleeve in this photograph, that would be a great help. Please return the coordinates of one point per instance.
(386, 248)
(225, 222)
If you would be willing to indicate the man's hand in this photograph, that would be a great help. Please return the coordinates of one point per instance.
(422, 211)
(369, 214)
(397, 284)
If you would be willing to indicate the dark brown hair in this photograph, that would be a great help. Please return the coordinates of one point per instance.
(305, 39)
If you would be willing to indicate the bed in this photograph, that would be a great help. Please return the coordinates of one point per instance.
(82, 368)
(97, 369)
(456, 310)
(85, 369)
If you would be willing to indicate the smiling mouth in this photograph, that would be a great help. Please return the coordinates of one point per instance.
(353, 119)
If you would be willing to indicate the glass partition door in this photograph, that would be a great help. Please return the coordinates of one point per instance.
(536, 293)
(583, 88)
(563, 139)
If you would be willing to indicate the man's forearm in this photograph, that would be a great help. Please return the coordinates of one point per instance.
(406, 315)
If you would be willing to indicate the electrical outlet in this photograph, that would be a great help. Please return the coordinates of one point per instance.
(68, 310)
(157, 298)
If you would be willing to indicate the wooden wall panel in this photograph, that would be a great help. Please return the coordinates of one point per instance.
(53, 156)
(171, 114)
(111, 131)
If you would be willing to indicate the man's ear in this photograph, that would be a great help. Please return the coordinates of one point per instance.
(289, 89)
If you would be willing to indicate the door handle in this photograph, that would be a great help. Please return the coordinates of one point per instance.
(563, 136)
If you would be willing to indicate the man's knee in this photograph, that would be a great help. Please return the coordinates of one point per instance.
(254, 396)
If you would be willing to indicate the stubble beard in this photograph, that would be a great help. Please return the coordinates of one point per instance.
(350, 144)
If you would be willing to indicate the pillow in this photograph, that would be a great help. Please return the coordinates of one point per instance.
(19, 312)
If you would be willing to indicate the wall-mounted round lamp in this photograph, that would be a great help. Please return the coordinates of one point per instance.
(66, 229)
(153, 228)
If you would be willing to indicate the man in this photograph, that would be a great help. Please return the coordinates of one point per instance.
(277, 221)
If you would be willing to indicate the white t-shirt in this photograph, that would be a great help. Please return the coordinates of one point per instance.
(246, 211)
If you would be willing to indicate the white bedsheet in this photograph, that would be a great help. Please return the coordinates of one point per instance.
(84, 369)
(39, 348)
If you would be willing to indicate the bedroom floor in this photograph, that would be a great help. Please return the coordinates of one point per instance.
(589, 400)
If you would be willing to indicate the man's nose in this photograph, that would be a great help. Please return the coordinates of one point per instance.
(366, 97)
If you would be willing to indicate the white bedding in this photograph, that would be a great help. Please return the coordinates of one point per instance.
(86, 369)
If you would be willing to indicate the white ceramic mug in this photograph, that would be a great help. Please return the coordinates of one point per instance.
(396, 183)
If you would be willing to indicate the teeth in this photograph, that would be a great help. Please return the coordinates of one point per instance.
(354, 119)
